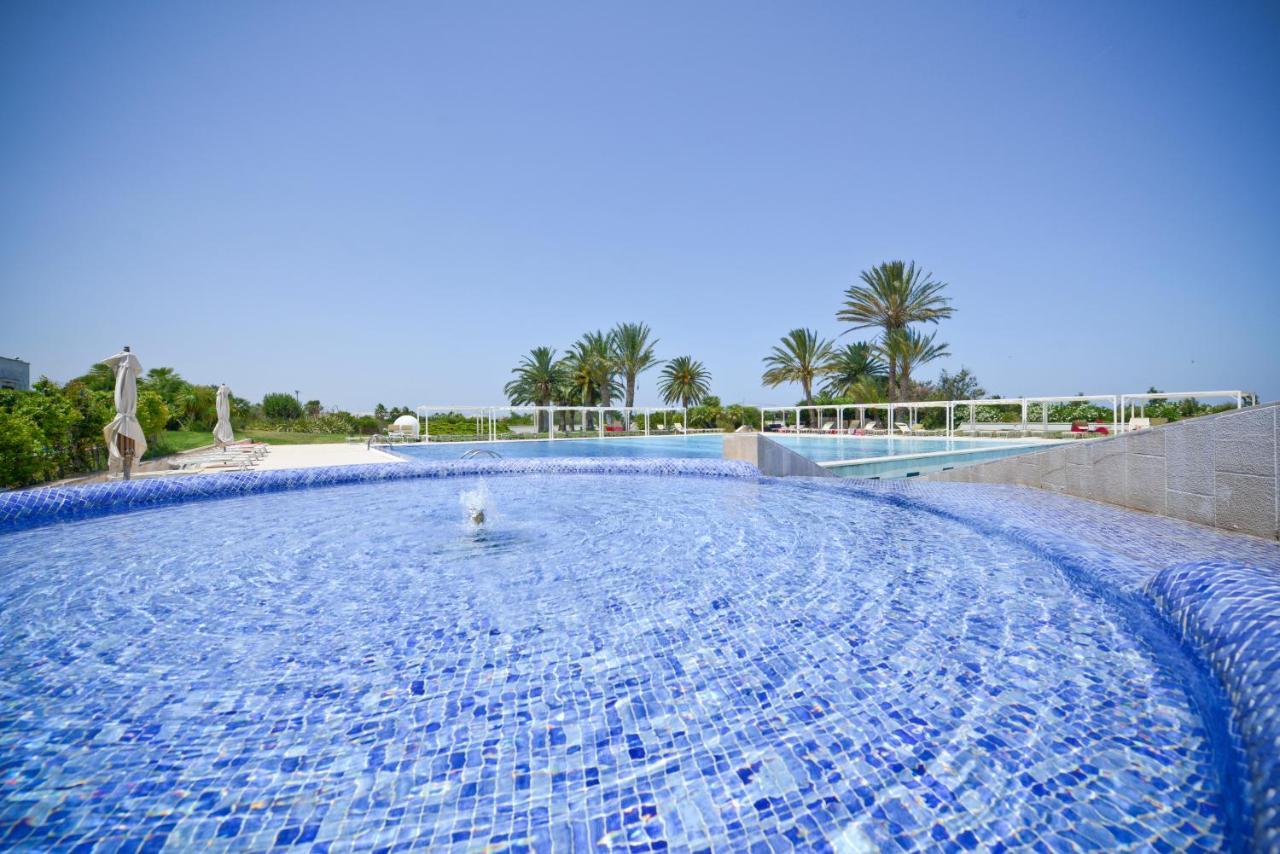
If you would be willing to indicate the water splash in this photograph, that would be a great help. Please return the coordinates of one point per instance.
(477, 504)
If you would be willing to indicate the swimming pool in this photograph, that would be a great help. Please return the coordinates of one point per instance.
(633, 660)
(821, 449)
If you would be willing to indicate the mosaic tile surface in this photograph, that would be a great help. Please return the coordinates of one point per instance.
(634, 663)
(1232, 614)
(34, 507)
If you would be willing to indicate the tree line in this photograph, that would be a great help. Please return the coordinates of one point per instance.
(892, 297)
(896, 298)
(602, 367)
(54, 430)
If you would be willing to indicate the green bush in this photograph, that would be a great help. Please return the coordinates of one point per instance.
(366, 425)
(329, 423)
(279, 406)
(153, 414)
(21, 461)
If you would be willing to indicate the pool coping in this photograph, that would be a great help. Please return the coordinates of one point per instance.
(860, 461)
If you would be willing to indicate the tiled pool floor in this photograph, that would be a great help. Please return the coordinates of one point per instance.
(614, 663)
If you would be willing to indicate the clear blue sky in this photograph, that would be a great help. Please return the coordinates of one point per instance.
(392, 202)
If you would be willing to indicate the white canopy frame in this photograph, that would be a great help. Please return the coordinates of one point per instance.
(588, 419)
(890, 409)
(1128, 400)
(481, 415)
(486, 418)
(1024, 404)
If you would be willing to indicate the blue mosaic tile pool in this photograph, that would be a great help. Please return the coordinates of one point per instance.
(645, 656)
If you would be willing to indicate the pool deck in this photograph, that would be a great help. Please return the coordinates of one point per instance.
(319, 456)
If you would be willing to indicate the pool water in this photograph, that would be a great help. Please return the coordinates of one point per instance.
(711, 446)
(642, 662)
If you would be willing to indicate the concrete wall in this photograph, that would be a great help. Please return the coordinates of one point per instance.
(1219, 470)
(771, 458)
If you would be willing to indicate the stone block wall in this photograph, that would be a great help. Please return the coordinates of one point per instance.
(1219, 470)
(771, 458)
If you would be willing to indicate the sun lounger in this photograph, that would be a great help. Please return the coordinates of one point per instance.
(239, 454)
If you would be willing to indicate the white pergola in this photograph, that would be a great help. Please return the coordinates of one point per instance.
(1025, 402)
(839, 409)
(487, 417)
(1128, 400)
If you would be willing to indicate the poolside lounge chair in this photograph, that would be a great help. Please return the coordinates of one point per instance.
(242, 454)
(903, 428)
(1136, 423)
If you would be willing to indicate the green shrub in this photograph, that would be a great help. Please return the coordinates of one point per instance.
(329, 423)
(279, 406)
(366, 425)
(153, 414)
(21, 461)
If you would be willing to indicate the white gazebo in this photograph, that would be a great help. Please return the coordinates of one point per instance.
(406, 427)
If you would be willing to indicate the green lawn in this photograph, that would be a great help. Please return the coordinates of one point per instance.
(176, 441)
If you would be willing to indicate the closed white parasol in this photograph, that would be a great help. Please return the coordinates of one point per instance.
(125, 441)
(222, 430)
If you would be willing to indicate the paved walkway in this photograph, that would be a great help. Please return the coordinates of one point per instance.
(316, 456)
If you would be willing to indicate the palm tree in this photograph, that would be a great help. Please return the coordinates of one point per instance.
(99, 378)
(593, 358)
(854, 367)
(801, 358)
(538, 376)
(891, 296)
(684, 381)
(589, 370)
(633, 354)
(867, 391)
(909, 349)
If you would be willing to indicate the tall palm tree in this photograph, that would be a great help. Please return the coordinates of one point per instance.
(536, 379)
(633, 354)
(593, 358)
(891, 296)
(684, 381)
(909, 349)
(99, 378)
(867, 391)
(854, 367)
(590, 371)
(801, 358)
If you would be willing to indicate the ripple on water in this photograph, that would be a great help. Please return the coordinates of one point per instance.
(609, 659)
